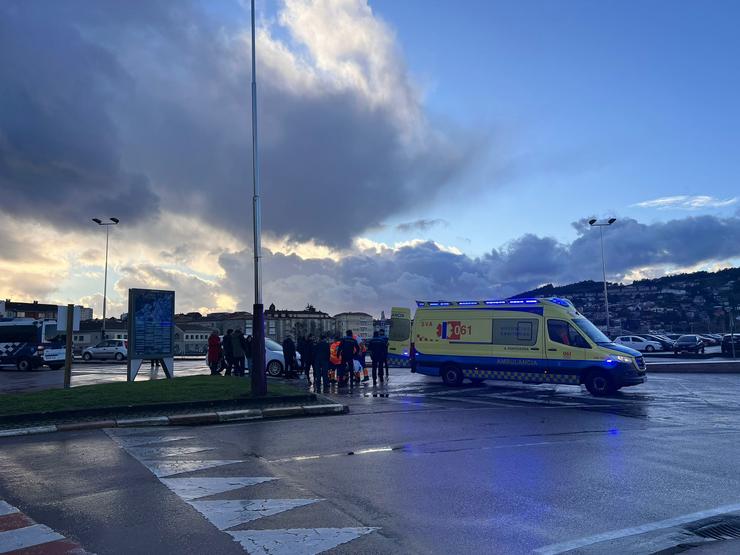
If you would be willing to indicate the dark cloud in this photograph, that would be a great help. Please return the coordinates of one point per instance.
(134, 106)
(371, 282)
(422, 224)
(59, 150)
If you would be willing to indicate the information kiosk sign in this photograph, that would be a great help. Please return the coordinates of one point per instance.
(151, 329)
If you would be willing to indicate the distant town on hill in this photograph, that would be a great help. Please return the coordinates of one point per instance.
(696, 302)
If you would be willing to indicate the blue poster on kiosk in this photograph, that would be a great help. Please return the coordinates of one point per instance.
(151, 326)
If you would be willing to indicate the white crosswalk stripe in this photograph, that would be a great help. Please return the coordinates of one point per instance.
(229, 513)
(162, 469)
(134, 441)
(296, 541)
(194, 488)
(6, 508)
(36, 534)
(156, 452)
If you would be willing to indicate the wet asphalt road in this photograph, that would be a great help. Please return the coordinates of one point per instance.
(503, 468)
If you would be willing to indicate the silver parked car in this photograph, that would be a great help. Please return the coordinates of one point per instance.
(116, 349)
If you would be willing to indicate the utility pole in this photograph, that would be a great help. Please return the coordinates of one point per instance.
(258, 377)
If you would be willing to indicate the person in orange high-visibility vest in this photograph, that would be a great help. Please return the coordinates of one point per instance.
(335, 359)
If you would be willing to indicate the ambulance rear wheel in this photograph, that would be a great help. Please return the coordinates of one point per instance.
(599, 383)
(452, 375)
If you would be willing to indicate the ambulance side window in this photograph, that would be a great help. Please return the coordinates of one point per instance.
(515, 331)
(562, 332)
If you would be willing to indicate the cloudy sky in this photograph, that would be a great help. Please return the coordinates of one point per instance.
(409, 150)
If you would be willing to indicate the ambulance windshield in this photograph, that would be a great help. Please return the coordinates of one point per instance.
(594, 333)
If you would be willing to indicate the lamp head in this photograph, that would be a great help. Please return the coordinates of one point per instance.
(97, 221)
(592, 221)
(115, 220)
(611, 220)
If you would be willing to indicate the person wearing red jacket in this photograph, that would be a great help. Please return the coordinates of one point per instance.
(214, 353)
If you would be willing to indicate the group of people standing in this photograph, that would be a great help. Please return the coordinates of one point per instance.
(232, 354)
(340, 360)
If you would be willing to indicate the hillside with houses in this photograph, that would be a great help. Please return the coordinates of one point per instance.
(699, 302)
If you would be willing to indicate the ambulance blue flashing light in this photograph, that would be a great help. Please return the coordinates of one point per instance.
(610, 362)
(561, 302)
(421, 304)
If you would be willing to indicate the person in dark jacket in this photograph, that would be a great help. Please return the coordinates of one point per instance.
(228, 352)
(348, 350)
(214, 353)
(305, 348)
(247, 346)
(289, 356)
(377, 348)
(237, 351)
(384, 337)
(321, 363)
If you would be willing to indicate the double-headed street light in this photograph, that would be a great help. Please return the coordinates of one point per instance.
(601, 224)
(110, 222)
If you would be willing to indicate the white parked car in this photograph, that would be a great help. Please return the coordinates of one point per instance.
(109, 349)
(638, 343)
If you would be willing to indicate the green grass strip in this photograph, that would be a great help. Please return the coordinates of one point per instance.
(178, 390)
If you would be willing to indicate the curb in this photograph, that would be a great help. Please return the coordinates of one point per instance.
(217, 417)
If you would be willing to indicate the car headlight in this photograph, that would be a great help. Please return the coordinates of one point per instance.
(622, 358)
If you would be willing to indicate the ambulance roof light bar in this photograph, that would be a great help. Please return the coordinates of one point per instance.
(436, 304)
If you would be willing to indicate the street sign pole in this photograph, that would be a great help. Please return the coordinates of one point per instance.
(68, 346)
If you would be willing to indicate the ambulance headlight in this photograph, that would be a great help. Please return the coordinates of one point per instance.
(622, 358)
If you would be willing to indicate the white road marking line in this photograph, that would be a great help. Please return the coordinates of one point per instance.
(296, 541)
(149, 430)
(168, 468)
(7, 508)
(136, 441)
(156, 452)
(229, 513)
(193, 488)
(554, 549)
(37, 534)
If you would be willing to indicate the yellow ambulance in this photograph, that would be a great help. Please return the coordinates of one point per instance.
(543, 340)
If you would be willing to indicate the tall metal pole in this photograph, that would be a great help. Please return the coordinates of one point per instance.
(105, 282)
(603, 272)
(259, 380)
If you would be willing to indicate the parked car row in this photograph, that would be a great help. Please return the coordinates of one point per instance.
(679, 343)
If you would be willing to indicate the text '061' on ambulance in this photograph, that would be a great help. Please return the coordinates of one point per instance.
(527, 340)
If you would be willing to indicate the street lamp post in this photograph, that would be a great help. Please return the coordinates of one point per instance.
(259, 380)
(112, 221)
(601, 224)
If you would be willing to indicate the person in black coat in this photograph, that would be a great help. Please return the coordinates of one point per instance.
(321, 362)
(289, 356)
(377, 348)
(228, 352)
(348, 350)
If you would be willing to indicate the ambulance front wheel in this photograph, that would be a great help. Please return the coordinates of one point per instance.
(600, 383)
(451, 375)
